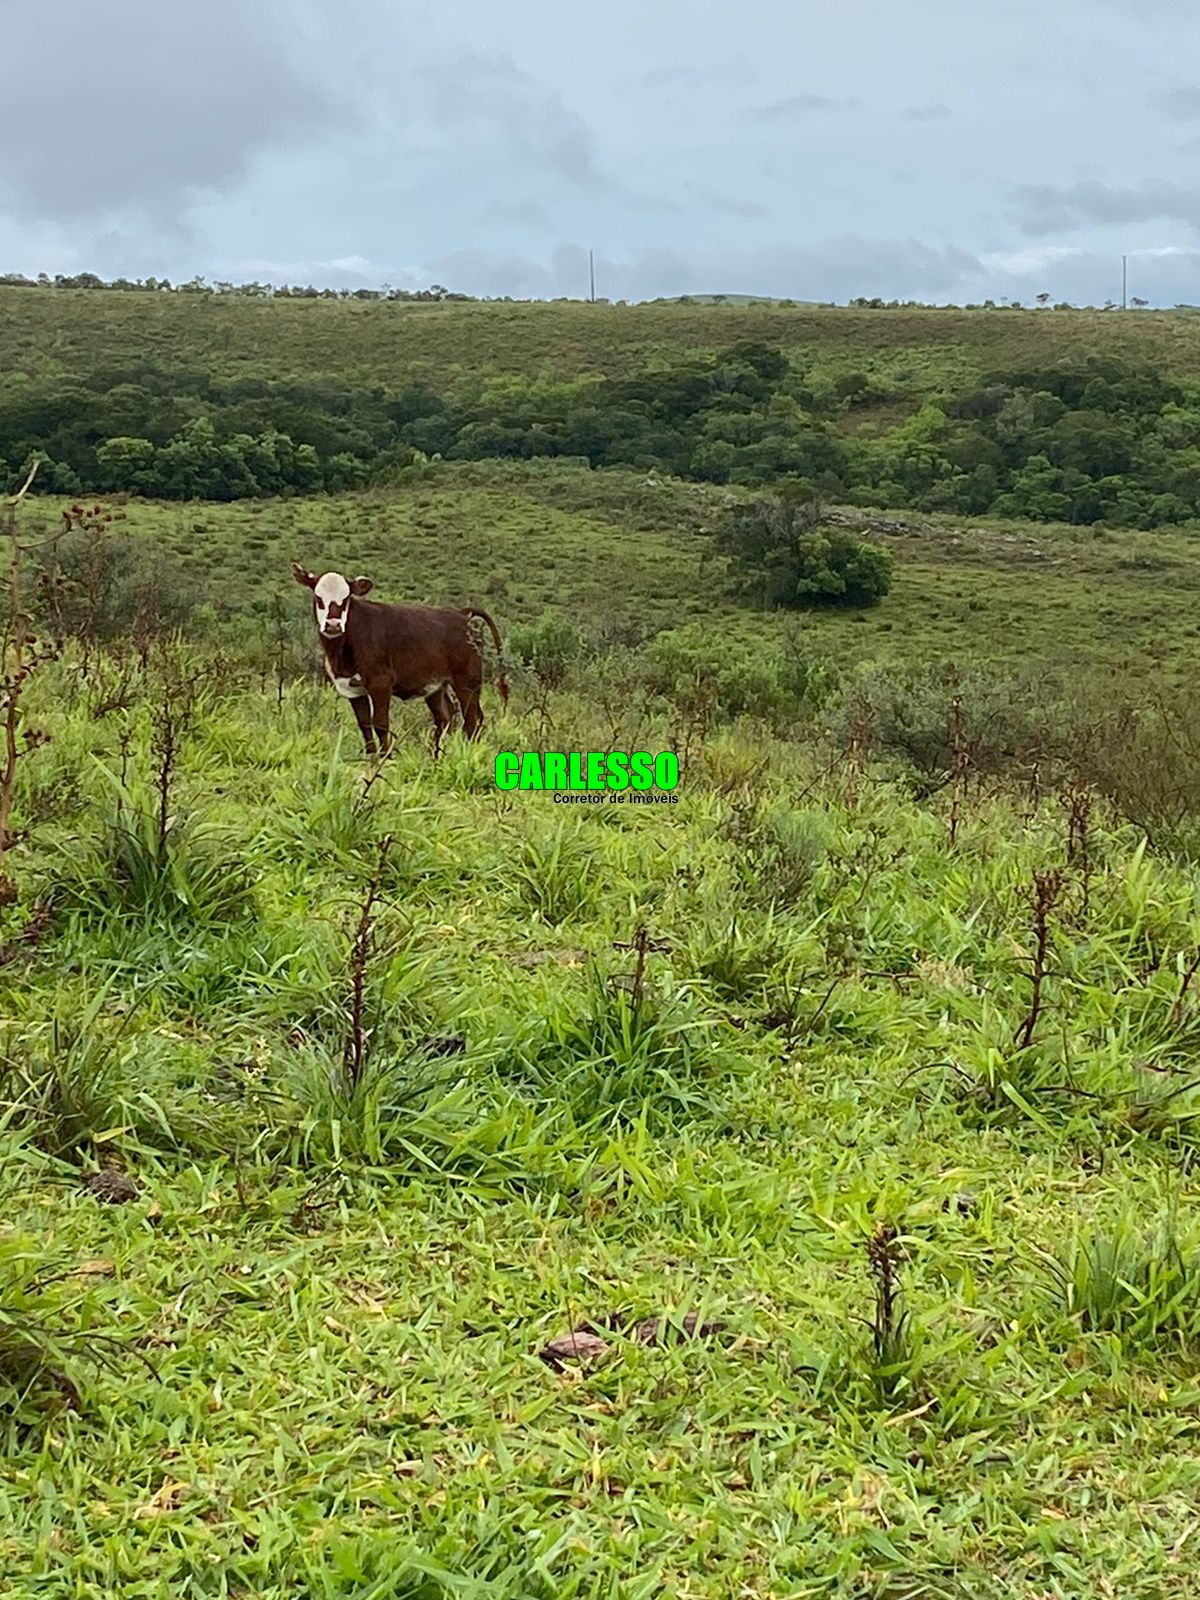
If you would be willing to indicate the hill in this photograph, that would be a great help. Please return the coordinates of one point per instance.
(64, 333)
(1053, 417)
(844, 1103)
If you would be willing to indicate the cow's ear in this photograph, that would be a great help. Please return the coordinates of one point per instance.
(361, 586)
(308, 579)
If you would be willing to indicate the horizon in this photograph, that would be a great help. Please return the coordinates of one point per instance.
(284, 288)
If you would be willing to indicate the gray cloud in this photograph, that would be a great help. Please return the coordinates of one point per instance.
(833, 269)
(373, 140)
(725, 72)
(492, 95)
(344, 272)
(837, 269)
(493, 99)
(517, 213)
(498, 273)
(148, 106)
(797, 105)
(1045, 208)
(1144, 10)
(1182, 104)
(730, 205)
(1163, 274)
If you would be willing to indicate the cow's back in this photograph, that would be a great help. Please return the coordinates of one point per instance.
(410, 647)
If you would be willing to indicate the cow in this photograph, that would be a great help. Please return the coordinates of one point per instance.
(374, 652)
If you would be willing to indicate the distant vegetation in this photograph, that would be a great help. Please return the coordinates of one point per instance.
(782, 556)
(1087, 440)
(199, 285)
(261, 290)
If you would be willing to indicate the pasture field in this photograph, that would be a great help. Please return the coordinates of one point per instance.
(623, 555)
(937, 1235)
(333, 1099)
(65, 332)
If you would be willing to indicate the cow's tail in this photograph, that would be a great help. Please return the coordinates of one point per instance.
(501, 674)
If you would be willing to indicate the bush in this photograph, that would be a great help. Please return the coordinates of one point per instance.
(1004, 718)
(779, 554)
(549, 648)
(705, 681)
(111, 585)
(1146, 760)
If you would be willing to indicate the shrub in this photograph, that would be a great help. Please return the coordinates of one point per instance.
(549, 648)
(704, 680)
(1004, 718)
(779, 554)
(1146, 760)
(112, 585)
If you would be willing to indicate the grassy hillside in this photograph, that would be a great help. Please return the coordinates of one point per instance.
(1057, 417)
(319, 1315)
(331, 1101)
(623, 555)
(65, 332)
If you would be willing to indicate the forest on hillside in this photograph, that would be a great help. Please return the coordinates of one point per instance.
(1086, 440)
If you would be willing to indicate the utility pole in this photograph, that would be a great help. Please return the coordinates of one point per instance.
(592, 273)
(1124, 283)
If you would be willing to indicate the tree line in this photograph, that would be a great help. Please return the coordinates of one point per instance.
(200, 285)
(1089, 441)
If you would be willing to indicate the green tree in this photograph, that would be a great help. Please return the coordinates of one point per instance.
(779, 553)
(126, 463)
(188, 467)
(54, 477)
(1035, 493)
(345, 472)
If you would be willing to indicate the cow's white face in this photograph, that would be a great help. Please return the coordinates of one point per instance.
(331, 598)
(331, 601)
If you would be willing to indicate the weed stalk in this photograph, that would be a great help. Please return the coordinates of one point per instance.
(355, 1057)
(1047, 887)
(644, 946)
(20, 656)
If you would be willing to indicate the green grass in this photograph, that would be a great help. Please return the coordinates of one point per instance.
(68, 332)
(304, 1361)
(616, 551)
(342, 1295)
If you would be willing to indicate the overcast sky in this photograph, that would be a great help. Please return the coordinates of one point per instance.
(934, 149)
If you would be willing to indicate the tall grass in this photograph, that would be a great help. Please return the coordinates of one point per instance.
(610, 1069)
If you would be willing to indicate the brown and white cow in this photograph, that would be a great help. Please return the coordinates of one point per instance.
(374, 652)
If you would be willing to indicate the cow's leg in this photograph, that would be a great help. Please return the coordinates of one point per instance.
(381, 705)
(468, 699)
(362, 713)
(468, 686)
(441, 709)
(453, 709)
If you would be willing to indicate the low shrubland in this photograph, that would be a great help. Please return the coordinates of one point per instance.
(845, 1109)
